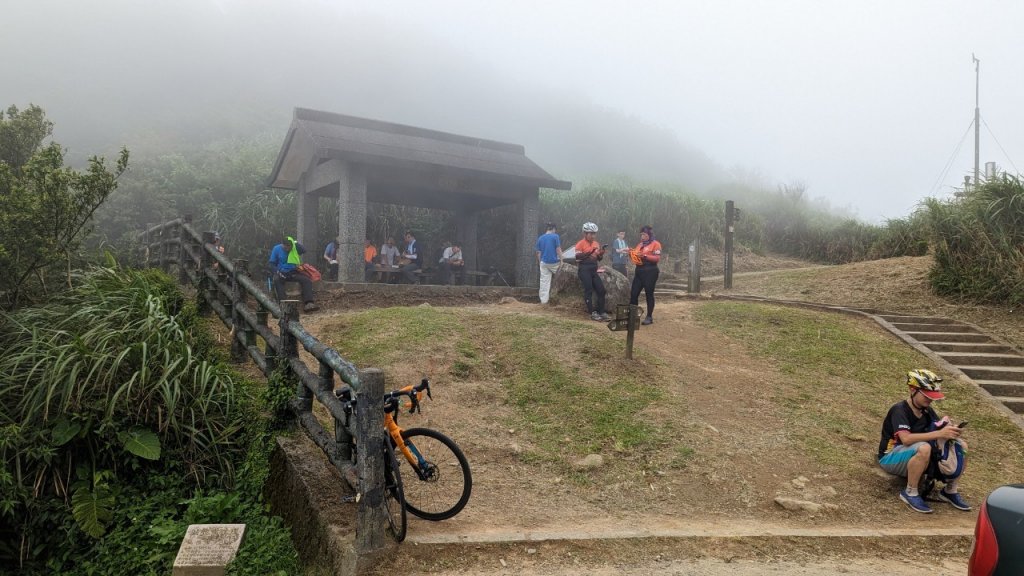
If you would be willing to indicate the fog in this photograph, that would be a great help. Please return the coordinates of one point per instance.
(864, 103)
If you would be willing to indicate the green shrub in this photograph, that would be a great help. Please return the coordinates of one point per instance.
(115, 407)
(979, 243)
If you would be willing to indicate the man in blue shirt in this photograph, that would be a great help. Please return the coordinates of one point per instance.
(620, 250)
(549, 256)
(331, 257)
(285, 259)
(412, 257)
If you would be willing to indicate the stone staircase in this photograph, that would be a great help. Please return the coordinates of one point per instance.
(670, 284)
(996, 367)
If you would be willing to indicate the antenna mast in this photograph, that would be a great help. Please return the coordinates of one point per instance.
(977, 117)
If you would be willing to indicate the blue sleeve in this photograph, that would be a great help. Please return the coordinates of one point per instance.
(300, 248)
(537, 245)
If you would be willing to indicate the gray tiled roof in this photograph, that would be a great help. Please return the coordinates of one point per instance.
(330, 135)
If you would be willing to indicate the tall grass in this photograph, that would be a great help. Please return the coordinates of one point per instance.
(979, 243)
(111, 381)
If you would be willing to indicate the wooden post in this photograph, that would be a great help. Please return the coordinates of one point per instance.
(162, 250)
(290, 351)
(183, 259)
(729, 230)
(371, 519)
(634, 315)
(206, 291)
(269, 353)
(239, 327)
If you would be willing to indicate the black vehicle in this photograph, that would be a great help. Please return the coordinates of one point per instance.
(999, 534)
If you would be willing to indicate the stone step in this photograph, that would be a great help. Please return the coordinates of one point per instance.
(673, 285)
(944, 328)
(894, 319)
(982, 359)
(961, 347)
(1015, 404)
(1002, 387)
(1008, 373)
(948, 337)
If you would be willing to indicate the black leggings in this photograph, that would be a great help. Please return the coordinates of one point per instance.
(645, 277)
(591, 283)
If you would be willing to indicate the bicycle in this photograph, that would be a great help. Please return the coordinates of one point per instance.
(441, 478)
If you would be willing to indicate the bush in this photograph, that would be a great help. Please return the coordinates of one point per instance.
(114, 408)
(978, 242)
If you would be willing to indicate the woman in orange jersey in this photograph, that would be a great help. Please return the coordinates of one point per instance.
(588, 254)
(646, 256)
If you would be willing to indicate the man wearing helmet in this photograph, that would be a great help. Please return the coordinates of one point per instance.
(588, 254)
(913, 436)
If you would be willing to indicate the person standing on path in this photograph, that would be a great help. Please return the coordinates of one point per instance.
(588, 254)
(620, 251)
(549, 256)
(646, 256)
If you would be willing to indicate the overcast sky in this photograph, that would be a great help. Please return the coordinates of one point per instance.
(863, 102)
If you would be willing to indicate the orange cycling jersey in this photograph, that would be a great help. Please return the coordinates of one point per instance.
(592, 250)
(649, 254)
(369, 253)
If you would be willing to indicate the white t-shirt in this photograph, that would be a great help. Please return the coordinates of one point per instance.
(388, 255)
(450, 254)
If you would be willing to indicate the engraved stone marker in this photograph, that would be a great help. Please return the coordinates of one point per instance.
(207, 549)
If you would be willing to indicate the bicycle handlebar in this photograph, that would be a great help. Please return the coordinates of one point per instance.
(415, 394)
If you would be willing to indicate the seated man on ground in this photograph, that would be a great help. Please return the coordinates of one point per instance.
(285, 259)
(915, 441)
(452, 263)
(369, 259)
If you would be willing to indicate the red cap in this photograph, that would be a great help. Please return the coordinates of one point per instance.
(932, 394)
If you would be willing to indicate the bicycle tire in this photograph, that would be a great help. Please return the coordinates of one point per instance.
(394, 494)
(443, 490)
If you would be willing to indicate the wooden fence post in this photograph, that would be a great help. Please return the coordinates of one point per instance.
(371, 519)
(183, 258)
(207, 289)
(240, 329)
(162, 250)
(290, 351)
(634, 315)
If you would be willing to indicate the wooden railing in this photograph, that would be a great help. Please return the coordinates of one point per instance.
(226, 288)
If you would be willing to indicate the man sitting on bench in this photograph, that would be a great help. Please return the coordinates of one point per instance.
(452, 264)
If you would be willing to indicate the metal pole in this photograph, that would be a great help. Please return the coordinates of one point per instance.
(730, 212)
(977, 118)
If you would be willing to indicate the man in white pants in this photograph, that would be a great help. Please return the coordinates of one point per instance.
(549, 256)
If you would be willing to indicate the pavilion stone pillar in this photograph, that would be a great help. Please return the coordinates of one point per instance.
(305, 231)
(528, 209)
(351, 221)
(465, 233)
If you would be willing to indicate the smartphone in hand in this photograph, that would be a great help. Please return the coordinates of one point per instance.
(963, 424)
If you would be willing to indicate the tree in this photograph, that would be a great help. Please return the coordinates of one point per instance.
(45, 207)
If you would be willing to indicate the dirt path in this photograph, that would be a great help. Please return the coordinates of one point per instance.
(717, 512)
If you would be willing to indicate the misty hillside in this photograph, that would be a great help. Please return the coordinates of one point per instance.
(161, 76)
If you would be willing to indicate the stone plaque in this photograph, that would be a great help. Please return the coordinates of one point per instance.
(207, 549)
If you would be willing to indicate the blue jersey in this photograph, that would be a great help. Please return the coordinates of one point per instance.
(548, 245)
(279, 258)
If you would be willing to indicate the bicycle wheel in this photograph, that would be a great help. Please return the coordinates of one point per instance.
(394, 496)
(440, 483)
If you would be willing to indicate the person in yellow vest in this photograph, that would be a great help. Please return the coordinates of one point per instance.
(285, 259)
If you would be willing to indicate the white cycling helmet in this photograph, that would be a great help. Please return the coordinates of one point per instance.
(590, 227)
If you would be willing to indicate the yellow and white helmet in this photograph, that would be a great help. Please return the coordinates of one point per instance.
(926, 382)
